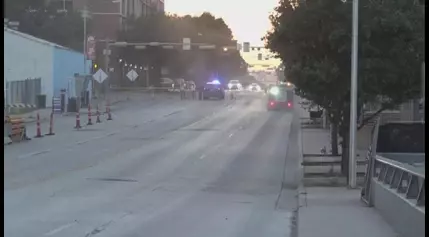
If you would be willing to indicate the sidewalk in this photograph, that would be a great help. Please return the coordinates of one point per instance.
(115, 99)
(338, 212)
(333, 211)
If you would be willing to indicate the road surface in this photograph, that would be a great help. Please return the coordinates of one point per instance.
(183, 169)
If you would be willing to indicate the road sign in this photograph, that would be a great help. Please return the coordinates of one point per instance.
(186, 44)
(132, 75)
(100, 76)
(107, 51)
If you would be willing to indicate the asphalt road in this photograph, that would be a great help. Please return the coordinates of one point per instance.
(200, 168)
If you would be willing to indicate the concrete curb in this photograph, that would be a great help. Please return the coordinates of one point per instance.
(7, 141)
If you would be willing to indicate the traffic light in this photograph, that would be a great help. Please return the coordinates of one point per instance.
(94, 67)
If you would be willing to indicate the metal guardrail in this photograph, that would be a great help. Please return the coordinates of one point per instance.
(405, 179)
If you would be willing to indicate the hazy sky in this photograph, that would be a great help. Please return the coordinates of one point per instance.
(248, 19)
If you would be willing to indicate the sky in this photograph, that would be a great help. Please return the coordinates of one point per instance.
(248, 19)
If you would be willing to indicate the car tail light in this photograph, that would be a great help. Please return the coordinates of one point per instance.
(289, 104)
(272, 103)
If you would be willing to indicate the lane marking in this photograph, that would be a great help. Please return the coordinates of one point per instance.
(202, 156)
(230, 135)
(60, 228)
(34, 154)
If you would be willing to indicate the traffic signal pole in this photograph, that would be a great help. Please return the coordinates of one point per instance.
(106, 53)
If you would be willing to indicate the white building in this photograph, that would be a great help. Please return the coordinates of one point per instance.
(33, 66)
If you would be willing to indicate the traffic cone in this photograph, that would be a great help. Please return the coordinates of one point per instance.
(51, 126)
(107, 106)
(38, 130)
(89, 115)
(98, 115)
(109, 115)
(77, 121)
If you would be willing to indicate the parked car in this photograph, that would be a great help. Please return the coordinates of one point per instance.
(167, 84)
(190, 85)
(179, 83)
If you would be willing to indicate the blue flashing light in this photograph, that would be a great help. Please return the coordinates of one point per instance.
(214, 82)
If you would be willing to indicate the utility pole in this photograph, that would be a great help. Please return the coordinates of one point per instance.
(106, 53)
(85, 16)
(353, 98)
(147, 75)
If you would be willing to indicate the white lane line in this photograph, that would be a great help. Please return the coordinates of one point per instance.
(34, 154)
(202, 156)
(59, 229)
(230, 135)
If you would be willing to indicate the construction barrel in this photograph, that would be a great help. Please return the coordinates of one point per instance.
(16, 129)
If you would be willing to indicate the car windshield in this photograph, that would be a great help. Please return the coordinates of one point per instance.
(212, 86)
(214, 118)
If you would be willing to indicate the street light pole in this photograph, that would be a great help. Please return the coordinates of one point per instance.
(85, 15)
(353, 98)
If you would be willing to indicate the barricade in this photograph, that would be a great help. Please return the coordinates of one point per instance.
(16, 128)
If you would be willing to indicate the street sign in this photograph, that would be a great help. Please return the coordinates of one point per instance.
(100, 76)
(246, 47)
(90, 48)
(186, 44)
(132, 75)
(107, 51)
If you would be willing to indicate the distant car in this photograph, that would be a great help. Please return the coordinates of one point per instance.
(235, 85)
(190, 85)
(167, 84)
(179, 83)
(280, 98)
(213, 89)
(254, 87)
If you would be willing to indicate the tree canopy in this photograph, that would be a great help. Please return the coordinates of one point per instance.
(205, 28)
(43, 21)
(313, 39)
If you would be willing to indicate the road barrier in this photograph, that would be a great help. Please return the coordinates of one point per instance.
(51, 125)
(38, 129)
(15, 129)
(397, 191)
(109, 115)
(98, 115)
(78, 121)
(89, 115)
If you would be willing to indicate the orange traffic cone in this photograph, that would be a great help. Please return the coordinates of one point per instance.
(38, 130)
(51, 126)
(77, 121)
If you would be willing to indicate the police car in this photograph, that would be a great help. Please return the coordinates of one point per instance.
(213, 89)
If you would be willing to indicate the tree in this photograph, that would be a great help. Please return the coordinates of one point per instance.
(313, 39)
(43, 21)
(205, 28)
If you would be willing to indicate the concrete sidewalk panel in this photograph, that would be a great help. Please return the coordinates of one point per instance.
(332, 212)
